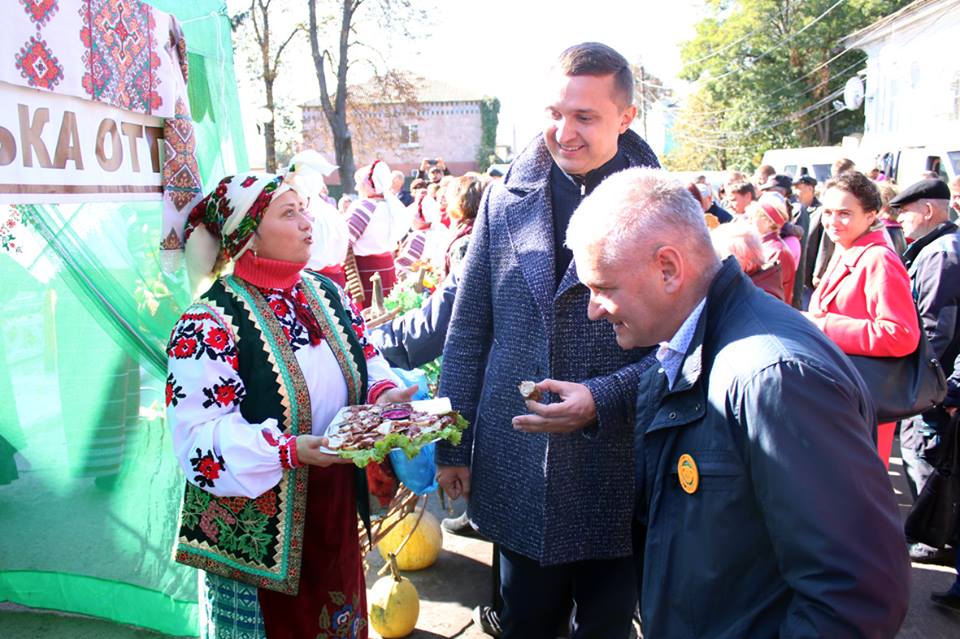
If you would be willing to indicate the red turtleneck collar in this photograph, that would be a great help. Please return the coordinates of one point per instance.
(266, 273)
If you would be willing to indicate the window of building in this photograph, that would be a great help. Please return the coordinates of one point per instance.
(409, 135)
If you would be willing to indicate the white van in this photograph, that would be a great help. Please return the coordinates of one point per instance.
(906, 165)
(812, 160)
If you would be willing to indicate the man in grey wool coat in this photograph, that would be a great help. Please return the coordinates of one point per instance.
(549, 481)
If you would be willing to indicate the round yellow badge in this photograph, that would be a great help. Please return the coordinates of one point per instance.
(688, 475)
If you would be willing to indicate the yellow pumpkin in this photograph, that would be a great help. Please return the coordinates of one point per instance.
(394, 604)
(423, 547)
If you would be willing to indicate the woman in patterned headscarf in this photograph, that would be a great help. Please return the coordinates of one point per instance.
(258, 366)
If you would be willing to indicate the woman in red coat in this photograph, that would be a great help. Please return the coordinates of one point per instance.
(864, 301)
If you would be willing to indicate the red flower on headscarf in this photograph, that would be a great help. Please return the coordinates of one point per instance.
(247, 183)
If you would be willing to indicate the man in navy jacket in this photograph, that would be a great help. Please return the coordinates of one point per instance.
(762, 509)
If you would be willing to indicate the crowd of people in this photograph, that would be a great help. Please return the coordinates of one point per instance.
(705, 456)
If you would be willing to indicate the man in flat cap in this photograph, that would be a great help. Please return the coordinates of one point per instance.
(933, 261)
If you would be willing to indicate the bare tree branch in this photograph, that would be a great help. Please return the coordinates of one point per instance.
(276, 58)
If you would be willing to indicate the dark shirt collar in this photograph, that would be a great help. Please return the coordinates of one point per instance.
(910, 255)
(587, 183)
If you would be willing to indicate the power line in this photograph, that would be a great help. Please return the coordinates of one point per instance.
(765, 53)
(719, 137)
(786, 86)
(786, 40)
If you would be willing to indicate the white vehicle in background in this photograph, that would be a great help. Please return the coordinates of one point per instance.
(907, 164)
(903, 163)
(812, 160)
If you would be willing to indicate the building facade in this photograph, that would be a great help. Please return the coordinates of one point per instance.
(441, 121)
(912, 88)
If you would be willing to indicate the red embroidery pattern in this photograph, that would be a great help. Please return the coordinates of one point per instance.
(288, 453)
(189, 339)
(181, 174)
(267, 503)
(174, 393)
(207, 467)
(217, 339)
(294, 330)
(40, 11)
(212, 518)
(286, 448)
(120, 54)
(183, 348)
(359, 327)
(38, 64)
(229, 392)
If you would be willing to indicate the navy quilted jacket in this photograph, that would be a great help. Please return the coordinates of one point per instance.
(553, 498)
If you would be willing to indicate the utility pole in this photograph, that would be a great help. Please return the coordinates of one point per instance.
(643, 100)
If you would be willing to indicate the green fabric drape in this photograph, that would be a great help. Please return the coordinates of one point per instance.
(89, 487)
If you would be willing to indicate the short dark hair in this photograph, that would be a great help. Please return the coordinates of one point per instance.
(596, 59)
(742, 188)
(859, 186)
(843, 165)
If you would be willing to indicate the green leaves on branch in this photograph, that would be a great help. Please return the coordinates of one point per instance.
(765, 74)
(489, 120)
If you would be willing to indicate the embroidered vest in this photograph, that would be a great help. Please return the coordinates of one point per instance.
(259, 541)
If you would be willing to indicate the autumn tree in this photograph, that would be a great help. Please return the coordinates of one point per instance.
(392, 89)
(269, 56)
(770, 71)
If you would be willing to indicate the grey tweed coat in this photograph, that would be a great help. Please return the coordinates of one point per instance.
(553, 498)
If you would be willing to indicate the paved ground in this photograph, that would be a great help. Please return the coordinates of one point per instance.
(461, 580)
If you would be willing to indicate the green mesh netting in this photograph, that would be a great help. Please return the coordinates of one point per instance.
(89, 487)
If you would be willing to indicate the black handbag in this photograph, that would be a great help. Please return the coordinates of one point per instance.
(903, 386)
(934, 517)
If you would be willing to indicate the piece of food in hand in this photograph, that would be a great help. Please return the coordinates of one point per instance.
(530, 391)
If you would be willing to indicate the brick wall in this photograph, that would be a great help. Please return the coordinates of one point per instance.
(450, 130)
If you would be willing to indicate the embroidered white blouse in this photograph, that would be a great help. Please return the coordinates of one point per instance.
(378, 232)
(217, 448)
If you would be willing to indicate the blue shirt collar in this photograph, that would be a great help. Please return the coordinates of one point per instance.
(671, 354)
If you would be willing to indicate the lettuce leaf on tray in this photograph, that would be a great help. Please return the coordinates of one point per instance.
(410, 446)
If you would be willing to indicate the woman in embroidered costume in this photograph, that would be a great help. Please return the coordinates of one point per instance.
(377, 222)
(258, 366)
(427, 239)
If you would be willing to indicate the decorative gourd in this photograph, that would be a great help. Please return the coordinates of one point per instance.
(394, 604)
(423, 547)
